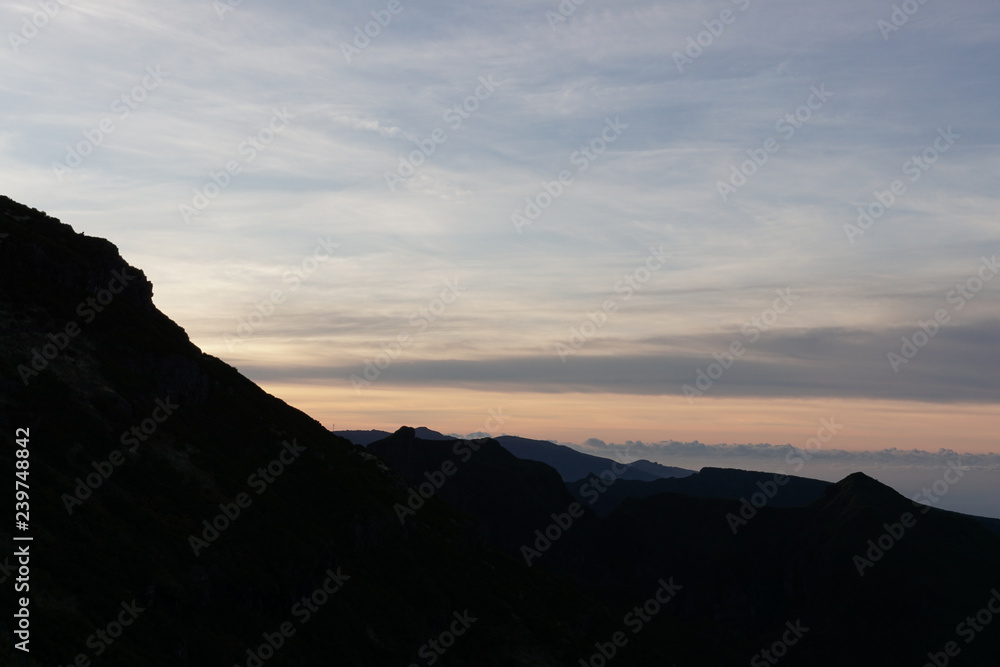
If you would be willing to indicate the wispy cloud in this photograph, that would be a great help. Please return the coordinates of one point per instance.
(369, 124)
(655, 184)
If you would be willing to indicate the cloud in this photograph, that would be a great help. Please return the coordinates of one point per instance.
(658, 183)
(821, 362)
(724, 455)
(369, 124)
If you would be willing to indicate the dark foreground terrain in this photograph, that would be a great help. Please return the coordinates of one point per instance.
(180, 515)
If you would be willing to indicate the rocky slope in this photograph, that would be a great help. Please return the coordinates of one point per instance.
(119, 516)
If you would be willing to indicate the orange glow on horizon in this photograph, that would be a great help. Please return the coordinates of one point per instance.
(575, 417)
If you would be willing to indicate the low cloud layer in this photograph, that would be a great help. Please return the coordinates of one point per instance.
(770, 455)
(805, 147)
(951, 367)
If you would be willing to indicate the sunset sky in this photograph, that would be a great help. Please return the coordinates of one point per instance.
(561, 218)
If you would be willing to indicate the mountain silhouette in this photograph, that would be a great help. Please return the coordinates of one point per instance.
(229, 528)
(149, 524)
(878, 579)
(568, 462)
(792, 491)
(573, 465)
(366, 438)
(506, 495)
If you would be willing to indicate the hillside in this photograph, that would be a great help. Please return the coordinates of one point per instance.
(228, 528)
(314, 504)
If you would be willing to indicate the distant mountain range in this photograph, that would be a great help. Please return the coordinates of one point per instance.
(568, 462)
(230, 518)
(181, 516)
(758, 551)
(707, 483)
(503, 492)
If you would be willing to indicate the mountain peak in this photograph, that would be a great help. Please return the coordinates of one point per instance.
(859, 495)
(422, 433)
(858, 483)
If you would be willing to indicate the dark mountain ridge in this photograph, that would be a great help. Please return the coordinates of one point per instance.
(211, 523)
(165, 482)
(568, 462)
(505, 494)
(755, 487)
(860, 562)
(574, 465)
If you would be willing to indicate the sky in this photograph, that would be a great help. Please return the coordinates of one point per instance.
(678, 221)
